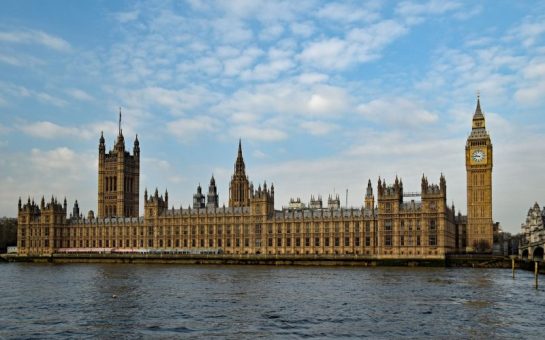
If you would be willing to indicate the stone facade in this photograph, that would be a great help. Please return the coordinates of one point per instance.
(532, 242)
(389, 227)
(479, 163)
(118, 178)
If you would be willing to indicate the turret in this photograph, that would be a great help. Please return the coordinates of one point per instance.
(199, 199)
(212, 197)
(369, 198)
(75, 210)
(101, 144)
(136, 147)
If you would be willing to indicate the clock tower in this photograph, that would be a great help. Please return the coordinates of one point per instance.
(479, 185)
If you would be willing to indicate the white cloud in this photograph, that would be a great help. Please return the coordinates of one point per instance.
(243, 117)
(79, 94)
(124, 17)
(23, 92)
(531, 95)
(271, 32)
(60, 171)
(329, 101)
(36, 37)
(252, 132)
(361, 45)
(187, 129)
(346, 13)
(318, 128)
(259, 154)
(177, 101)
(414, 12)
(16, 59)
(234, 66)
(268, 71)
(397, 111)
(529, 31)
(311, 78)
(303, 29)
(49, 130)
(231, 31)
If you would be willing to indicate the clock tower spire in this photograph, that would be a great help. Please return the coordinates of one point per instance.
(479, 163)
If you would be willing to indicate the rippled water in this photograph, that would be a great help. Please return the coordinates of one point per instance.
(171, 301)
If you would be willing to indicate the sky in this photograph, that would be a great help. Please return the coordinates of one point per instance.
(323, 95)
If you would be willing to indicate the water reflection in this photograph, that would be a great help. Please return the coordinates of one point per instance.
(52, 301)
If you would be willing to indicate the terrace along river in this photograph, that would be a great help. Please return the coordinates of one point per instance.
(174, 301)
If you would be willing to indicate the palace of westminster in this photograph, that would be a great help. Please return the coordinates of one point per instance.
(384, 227)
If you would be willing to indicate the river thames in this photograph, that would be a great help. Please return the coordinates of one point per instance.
(172, 301)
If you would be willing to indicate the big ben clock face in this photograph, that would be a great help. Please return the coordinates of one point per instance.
(478, 156)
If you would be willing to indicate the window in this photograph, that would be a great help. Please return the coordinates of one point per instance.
(388, 225)
(432, 226)
(367, 241)
(388, 240)
(402, 240)
(347, 241)
(327, 241)
(270, 242)
(317, 241)
(307, 242)
(433, 240)
(367, 227)
(346, 228)
(357, 242)
(297, 241)
(337, 242)
(288, 242)
(279, 242)
(418, 240)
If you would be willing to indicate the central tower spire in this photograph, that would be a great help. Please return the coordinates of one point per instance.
(239, 188)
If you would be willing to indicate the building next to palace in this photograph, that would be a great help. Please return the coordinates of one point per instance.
(532, 238)
(387, 225)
